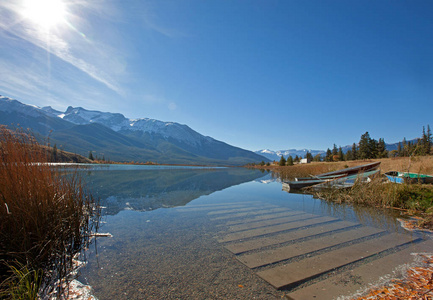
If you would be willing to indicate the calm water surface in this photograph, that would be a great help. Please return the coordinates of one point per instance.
(173, 228)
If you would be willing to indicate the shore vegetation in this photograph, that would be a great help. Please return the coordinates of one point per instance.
(415, 199)
(45, 219)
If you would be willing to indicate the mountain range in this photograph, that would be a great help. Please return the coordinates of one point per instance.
(115, 137)
(276, 155)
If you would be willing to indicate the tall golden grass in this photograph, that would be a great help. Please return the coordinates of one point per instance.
(415, 164)
(45, 218)
(380, 193)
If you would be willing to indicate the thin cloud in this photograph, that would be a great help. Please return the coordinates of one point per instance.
(53, 44)
(172, 106)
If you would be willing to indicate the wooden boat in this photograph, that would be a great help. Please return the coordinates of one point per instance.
(346, 181)
(343, 172)
(406, 177)
(340, 178)
(297, 185)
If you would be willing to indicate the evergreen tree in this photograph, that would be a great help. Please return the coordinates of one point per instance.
(349, 155)
(422, 143)
(289, 161)
(262, 163)
(91, 155)
(340, 154)
(425, 142)
(381, 149)
(309, 156)
(399, 150)
(334, 150)
(328, 156)
(405, 148)
(317, 157)
(364, 146)
(296, 158)
(373, 148)
(282, 161)
(354, 152)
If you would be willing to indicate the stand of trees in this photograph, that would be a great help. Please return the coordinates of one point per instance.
(369, 148)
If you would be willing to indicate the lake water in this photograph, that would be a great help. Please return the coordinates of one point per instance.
(232, 233)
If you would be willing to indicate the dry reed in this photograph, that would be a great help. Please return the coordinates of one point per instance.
(45, 219)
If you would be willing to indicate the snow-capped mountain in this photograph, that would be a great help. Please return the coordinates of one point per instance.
(276, 155)
(119, 123)
(116, 137)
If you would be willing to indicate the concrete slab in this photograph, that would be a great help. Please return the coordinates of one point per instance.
(204, 209)
(283, 253)
(273, 229)
(362, 277)
(245, 246)
(219, 205)
(253, 213)
(243, 209)
(285, 219)
(295, 273)
(264, 217)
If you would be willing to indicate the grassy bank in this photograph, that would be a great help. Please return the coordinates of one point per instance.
(45, 219)
(417, 164)
(413, 198)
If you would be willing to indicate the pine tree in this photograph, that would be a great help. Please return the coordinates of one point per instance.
(349, 155)
(309, 156)
(405, 148)
(296, 158)
(354, 152)
(334, 150)
(91, 155)
(340, 154)
(422, 143)
(373, 148)
(400, 150)
(381, 149)
(364, 146)
(429, 140)
(282, 161)
(328, 156)
(289, 161)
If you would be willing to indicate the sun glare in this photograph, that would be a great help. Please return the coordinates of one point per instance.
(45, 13)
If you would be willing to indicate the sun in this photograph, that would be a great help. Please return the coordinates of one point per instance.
(45, 13)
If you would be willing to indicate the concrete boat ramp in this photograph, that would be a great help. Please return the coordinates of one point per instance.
(311, 256)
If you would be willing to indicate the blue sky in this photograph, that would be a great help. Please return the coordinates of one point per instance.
(255, 74)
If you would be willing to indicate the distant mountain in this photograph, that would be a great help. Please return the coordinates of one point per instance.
(276, 155)
(115, 137)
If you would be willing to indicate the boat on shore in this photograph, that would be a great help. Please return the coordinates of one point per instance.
(343, 172)
(406, 177)
(337, 179)
(346, 181)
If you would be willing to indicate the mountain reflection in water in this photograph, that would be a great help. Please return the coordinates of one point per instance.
(145, 189)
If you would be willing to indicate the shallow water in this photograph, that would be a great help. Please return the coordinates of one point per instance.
(177, 232)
